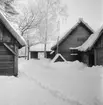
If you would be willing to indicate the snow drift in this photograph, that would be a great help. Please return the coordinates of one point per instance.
(41, 82)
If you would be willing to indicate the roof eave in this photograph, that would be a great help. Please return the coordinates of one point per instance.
(19, 38)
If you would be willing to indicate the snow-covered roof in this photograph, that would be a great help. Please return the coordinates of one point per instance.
(56, 57)
(13, 31)
(88, 44)
(70, 30)
(40, 47)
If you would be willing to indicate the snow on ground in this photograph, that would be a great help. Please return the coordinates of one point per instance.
(41, 82)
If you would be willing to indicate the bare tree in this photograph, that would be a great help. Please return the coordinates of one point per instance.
(7, 6)
(28, 22)
(52, 10)
(43, 18)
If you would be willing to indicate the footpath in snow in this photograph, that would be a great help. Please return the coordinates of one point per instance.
(72, 82)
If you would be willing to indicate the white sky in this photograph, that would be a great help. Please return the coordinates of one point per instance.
(89, 10)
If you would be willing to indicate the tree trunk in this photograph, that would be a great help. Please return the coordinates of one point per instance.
(25, 52)
(28, 53)
(45, 54)
(28, 49)
(46, 32)
(58, 45)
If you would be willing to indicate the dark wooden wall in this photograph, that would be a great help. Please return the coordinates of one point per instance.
(75, 39)
(98, 50)
(8, 58)
(34, 55)
(50, 56)
(95, 55)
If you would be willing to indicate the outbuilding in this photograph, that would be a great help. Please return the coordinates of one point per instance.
(91, 51)
(10, 42)
(75, 37)
(37, 51)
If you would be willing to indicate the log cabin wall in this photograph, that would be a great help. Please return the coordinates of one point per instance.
(8, 51)
(6, 61)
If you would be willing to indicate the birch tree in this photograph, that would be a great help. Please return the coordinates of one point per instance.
(52, 10)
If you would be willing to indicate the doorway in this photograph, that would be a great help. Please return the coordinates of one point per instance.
(91, 59)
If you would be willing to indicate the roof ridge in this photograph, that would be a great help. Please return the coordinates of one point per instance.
(82, 20)
(72, 28)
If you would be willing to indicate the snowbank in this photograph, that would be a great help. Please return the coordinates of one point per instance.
(73, 80)
(43, 83)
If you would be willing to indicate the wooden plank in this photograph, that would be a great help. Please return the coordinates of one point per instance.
(13, 52)
(16, 61)
(6, 71)
(3, 62)
(6, 58)
(4, 51)
(6, 65)
(6, 61)
(6, 68)
(95, 57)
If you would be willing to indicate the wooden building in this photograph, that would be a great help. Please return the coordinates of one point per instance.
(10, 42)
(37, 51)
(75, 37)
(91, 52)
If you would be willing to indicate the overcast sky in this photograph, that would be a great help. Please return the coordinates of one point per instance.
(89, 10)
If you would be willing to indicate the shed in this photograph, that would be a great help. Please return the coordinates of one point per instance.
(74, 37)
(91, 51)
(37, 51)
(10, 42)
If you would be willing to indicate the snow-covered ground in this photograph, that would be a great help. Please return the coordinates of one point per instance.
(41, 82)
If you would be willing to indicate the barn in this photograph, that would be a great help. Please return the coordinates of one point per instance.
(10, 42)
(75, 37)
(37, 51)
(91, 51)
